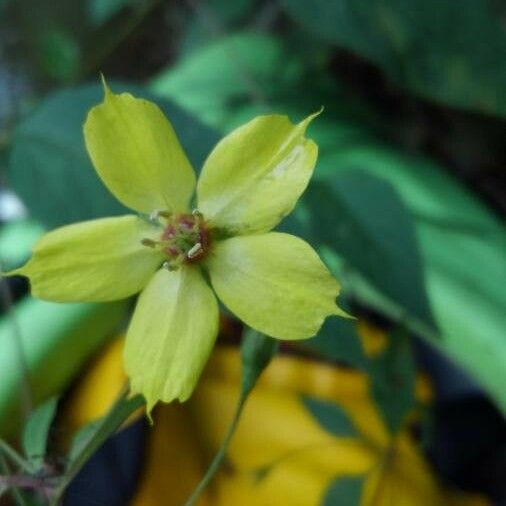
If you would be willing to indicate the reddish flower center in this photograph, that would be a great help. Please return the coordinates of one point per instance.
(185, 238)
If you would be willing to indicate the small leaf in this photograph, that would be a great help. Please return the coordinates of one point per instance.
(393, 381)
(344, 491)
(36, 431)
(257, 351)
(81, 439)
(331, 417)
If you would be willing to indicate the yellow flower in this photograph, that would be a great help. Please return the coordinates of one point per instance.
(274, 282)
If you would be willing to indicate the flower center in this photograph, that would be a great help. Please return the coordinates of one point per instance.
(185, 238)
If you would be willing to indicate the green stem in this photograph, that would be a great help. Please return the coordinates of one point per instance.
(220, 455)
(16, 494)
(14, 456)
(121, 410)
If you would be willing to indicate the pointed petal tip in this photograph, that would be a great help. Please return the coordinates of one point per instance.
(107, 91)
(306, 121)
(149, 412)
(343, 314)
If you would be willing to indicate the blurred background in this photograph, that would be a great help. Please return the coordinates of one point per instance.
(406, 207)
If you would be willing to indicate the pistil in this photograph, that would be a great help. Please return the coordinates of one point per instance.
(185, 238)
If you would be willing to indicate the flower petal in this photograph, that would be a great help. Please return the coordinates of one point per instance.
(171, 335)
(254, 176)
(274, 282)
(137, 154)
(97, 260)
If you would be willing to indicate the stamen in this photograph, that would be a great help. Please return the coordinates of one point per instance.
(173, 267)
(197, 213)
(154, 215)
(170, 266)
(194, 251)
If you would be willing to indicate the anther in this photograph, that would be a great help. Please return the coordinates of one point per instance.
(194, 251)
(153, 216)
(170, 266)
(197, 213)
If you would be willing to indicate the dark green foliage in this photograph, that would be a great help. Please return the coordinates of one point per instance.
(450, 51)
(344, 492)
(331, 417)
(392, 376)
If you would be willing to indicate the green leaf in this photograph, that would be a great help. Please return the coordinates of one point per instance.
(331, 417)
(57, 340)
(82, 439)
(363, 218)
(412, 42)
(48, 150)
(3, 4)
(16, 241)
(345, 491)
(101, 11)
(257, 351)
(227, 71)
(59, 54)
(36, 430)
(93, 435)
(198, 32)
(338, 340)
(454, 231)
(392, 377)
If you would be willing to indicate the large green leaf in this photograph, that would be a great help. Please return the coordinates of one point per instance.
(361, 217)
(227, 71)
(451, 51)
(48, 151)
(461, 249)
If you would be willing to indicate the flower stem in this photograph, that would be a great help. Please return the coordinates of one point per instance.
(257, 351)
(119, 412)
(220, 455)
(4, 476)
(14, 456)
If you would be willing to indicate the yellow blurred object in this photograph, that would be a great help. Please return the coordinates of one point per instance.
(97, 390)
(374, 340)
(174, 461)
(280, 454)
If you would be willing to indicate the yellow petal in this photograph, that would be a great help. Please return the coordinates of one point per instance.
(97, 260)
(254, 176)
(171, 334)
(275, 283)
(137, 154)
